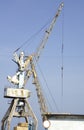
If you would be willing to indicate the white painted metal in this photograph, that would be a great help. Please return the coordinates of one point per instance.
(66, 122)
(18, 93)
(66, 125)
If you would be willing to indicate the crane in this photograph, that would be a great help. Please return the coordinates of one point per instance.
(26, 67)
(36, 56)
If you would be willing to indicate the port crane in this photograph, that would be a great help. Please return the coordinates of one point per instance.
(26, 69)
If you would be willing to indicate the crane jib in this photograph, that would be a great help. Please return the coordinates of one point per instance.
(47, 33)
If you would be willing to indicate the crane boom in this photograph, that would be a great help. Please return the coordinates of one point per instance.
(41, 99)
(47, 33)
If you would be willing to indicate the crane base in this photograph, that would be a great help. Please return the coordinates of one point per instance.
(18, 108)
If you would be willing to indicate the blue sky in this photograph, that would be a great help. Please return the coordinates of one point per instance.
(19, 20)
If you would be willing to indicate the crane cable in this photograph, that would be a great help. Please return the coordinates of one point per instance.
(32, 37)
(62, 50)
(48, 89)
(62, 62)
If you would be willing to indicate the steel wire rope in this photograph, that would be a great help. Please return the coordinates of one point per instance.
(27, 41)
(62, 50)
(62, 60)
(46, 99)
(35, 34)
(32, 37)
(48, 87)
(41, 84)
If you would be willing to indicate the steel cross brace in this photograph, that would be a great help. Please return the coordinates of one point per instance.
(14, 111)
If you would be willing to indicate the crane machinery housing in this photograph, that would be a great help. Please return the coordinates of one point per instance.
(20, 106)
